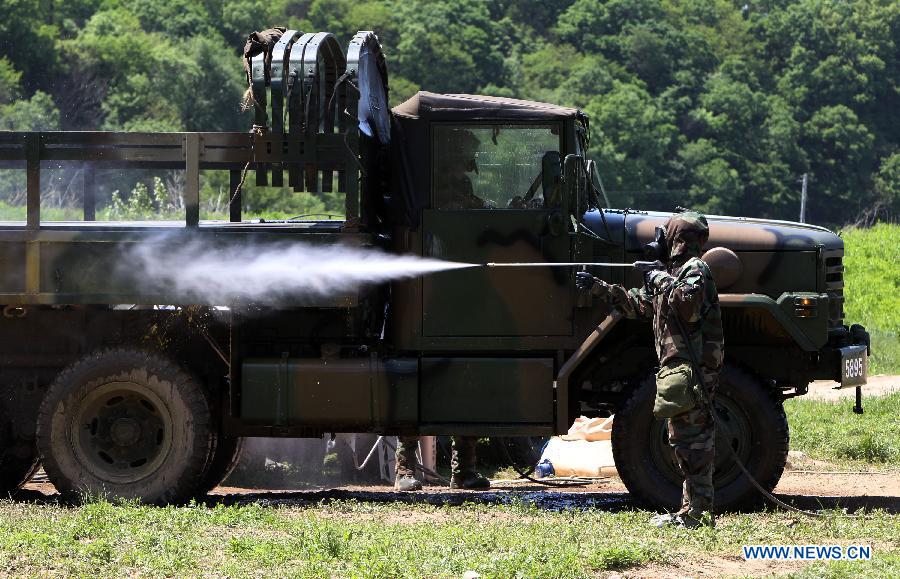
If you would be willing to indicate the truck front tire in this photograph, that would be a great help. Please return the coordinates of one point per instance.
(751, 420)
(126, 423)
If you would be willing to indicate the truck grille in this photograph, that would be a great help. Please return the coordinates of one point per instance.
(834, 286)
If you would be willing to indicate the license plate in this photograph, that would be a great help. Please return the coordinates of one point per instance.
(854, 366)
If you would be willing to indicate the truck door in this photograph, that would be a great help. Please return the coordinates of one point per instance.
(497, 197)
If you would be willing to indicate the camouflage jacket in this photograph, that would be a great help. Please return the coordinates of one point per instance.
(690, 293)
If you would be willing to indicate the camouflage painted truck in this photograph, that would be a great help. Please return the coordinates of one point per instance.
(119, 384)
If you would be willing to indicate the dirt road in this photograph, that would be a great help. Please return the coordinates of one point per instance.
(877, 386)
(805, 489)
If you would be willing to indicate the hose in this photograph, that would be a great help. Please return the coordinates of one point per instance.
(526, 474)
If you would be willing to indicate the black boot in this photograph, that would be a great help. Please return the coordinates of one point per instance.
(462, 465)
(469, 480)
(406, 464)
(407, 482)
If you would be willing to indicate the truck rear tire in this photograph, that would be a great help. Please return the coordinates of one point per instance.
(126, 423)
(752, 422)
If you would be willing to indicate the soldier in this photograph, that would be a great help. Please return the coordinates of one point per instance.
(681, 299)
(452, 185)
(462, 465)
(453, 190)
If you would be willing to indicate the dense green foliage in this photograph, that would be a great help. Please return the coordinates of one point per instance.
(873, 291)
(717, 104)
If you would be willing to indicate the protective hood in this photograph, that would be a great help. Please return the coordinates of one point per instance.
(686, 233)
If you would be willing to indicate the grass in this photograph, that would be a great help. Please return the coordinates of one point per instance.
(378, 540)
(872, 290)
(829, 430)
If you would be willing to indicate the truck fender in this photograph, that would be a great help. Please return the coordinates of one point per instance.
(563, 420)
(777, 309)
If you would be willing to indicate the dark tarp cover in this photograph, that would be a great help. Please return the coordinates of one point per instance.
(373, 110)
(466, 107)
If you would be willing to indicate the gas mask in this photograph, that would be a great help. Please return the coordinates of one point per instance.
(659, 247)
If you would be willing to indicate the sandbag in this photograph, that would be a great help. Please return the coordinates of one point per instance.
(590, 429)
(580, 457)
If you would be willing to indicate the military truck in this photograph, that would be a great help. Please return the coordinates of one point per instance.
(122, 385)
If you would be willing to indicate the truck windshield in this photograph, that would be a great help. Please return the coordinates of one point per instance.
(491, 166)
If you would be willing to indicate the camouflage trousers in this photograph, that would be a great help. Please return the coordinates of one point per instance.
(692, 436)
(405, 456)
(462, 456)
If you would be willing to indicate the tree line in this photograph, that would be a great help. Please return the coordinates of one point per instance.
(719, 105)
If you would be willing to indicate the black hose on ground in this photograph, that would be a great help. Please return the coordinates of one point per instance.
(526, 473)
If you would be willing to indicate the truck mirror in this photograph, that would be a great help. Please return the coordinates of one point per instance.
(576, 184)
(551, 175)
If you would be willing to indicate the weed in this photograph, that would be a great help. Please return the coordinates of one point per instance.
(867, 448)
(620, 557)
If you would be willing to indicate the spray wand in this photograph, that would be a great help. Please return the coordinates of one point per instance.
(638, 265)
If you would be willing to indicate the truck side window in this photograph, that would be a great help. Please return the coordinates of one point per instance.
(490, 166)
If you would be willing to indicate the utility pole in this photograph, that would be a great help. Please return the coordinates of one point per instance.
(803, 198)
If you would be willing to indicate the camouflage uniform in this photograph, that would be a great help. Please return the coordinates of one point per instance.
(462, 461)
(685, 292)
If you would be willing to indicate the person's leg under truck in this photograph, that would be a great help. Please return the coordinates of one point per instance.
(462, 456)
(406, 455)
(692, 436)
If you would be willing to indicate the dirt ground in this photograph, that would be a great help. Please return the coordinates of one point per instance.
(804, 488)
(876, 386)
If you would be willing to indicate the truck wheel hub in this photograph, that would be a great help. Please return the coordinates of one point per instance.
(125, 432)
(733, 429)
(121, 432)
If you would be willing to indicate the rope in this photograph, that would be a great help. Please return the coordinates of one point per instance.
(240, 185)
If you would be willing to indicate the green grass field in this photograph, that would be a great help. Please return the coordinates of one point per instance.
(369, 540)
(831, 431)
(872, 291)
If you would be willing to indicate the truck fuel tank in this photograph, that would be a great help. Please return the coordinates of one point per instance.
(363, 393)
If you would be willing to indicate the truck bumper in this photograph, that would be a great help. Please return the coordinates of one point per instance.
(845, 359)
